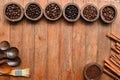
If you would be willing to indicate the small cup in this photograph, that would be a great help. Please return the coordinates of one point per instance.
(108, 13)
(35, 13)
(73, 12)
(13, 12)
(93, 71)
(53, 11)
(90, 12)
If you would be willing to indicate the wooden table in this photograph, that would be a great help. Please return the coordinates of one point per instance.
(59, 50)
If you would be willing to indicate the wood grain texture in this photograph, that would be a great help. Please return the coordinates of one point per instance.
(65, 48)
(103, 41)
(40, 67)
(59, 50)
(4, 29)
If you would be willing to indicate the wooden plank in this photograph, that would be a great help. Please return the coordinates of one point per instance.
(4, 29)
(16, 36)
(40, 68)
(79, 56)
(91, 38)
(103, 42)
(28, 46)
(66, 30)
(53, 47)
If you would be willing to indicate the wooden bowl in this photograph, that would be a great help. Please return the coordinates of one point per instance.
(51, 19)
(90, 68)
(13, 20)
(30, 18)
(78, 15)
(101, 14)
(88, 20)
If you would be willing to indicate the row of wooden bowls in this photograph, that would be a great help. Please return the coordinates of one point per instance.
(53, 11)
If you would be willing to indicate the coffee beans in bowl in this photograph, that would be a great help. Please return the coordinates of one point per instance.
(53, 11)
(13, 12)
(93, 71)
(90, 13)
(33, 11)
(71, 12)
(108, 13)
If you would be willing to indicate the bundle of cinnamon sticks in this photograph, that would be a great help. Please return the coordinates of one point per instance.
(112, 64)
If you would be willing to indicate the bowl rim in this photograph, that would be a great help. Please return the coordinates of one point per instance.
(93, 20)
(35, 19)
(78, 16)
(13, 20)
(108, 5)
(58, 16)
(90, 64)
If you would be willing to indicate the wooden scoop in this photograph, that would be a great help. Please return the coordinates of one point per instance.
(5, 69)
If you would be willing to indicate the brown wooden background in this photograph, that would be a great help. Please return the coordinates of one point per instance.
(59, 50)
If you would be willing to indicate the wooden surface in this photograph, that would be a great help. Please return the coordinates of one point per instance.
(59, 50)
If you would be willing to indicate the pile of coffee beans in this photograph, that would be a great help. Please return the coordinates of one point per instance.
(53, 11)
(93, 72)
(108, 13)
(33, 11)
(71, 12)
(90, 12)
(13, 11)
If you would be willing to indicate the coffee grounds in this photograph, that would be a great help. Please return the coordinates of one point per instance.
(13, 11)
(90, 12)
(93, 72)
(71, 12)
(53, 11)
(33, 11)
(108, 13)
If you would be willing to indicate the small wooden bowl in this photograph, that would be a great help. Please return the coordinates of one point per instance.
(66, 18)
(82, 15)
(101, 14)
(48, 18)
(33, 19)
(97, 67)
(13, 20)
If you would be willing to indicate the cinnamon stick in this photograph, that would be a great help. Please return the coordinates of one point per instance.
(114, 62)
(111, 74)
(113, 37)
(112, 67)
(115, 50)
(117, 44)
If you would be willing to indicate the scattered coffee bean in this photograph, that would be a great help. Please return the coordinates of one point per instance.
(33, 11)
(93, 72)
(13, 11)
(53, 11)
(71, 12)
(90, 12)
(108, 13)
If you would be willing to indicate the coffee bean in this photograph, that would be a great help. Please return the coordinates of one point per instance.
(71, 12)
(108, 13)
(13, 11)
(33, 11)
(53, 11)
(90, 12)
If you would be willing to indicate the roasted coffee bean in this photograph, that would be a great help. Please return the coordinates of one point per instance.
(33, 11)
(108, 13)
(90, 12)
(71, 12)
(53, 11)
(13, 11)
